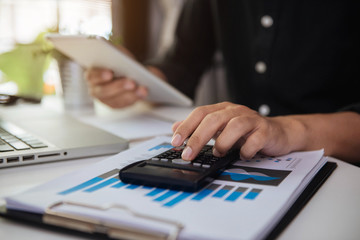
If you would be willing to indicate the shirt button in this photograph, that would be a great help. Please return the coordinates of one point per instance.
(266, 21)
(260, 67)
(264, 110)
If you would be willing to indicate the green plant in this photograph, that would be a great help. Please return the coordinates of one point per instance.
(25, 65)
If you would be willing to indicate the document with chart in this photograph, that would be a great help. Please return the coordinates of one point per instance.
(244, 202)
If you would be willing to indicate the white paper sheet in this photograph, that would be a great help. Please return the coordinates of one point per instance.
(171, 114)
(245, 202)
(138, 126)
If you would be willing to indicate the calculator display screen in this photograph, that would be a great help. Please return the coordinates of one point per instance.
(173, 170)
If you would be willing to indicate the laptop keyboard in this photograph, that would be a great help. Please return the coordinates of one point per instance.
(13, 138)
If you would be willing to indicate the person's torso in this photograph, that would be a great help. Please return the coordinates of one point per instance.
(290, 56)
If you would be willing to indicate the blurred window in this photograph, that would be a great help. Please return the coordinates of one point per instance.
(22, 20)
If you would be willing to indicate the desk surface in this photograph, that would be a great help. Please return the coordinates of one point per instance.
(332, 213)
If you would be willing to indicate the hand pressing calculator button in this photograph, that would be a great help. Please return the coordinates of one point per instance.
(168, 170)
(180, 161)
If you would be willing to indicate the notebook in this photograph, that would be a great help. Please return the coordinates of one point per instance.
(34, 135)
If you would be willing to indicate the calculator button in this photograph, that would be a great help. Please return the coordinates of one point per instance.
(206, 165)
(180, 161)
(208, 154)
(155, 159)
(164, 159)
(197, 164)
(178, 148)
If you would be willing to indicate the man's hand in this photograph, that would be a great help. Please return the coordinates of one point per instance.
(116, 92)
(237, 126)
(234, 126)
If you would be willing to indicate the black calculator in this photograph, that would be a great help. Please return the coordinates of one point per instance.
(168, 170)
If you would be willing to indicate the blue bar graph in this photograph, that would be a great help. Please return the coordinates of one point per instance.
(167, 198)
(177, 199)
(253, 194)
(102, 185)
(164, 145)
(223, 191)
(90, 182)
(81, 186)
(236, 194)
(132, 186)
(155, 192)
(119, 185)
(205, 192)
(166, 195)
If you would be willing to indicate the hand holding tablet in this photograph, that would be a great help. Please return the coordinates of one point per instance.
(98, 53)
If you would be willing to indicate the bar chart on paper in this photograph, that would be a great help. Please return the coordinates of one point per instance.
(248, 199)
(228, 189)
(165, 197)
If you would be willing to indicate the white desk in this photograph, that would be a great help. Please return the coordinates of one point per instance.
(333, 213)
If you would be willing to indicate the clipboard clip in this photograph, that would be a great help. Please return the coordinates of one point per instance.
(92, 225)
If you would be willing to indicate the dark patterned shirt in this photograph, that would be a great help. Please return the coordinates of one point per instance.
(293, 57)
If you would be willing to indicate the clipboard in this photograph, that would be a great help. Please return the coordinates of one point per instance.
(99, 230)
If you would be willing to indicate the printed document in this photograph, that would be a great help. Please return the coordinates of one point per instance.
(245, 202)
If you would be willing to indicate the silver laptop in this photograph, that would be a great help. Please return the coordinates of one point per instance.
(32, 135)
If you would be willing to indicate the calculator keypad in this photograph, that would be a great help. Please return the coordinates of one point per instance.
(169, 170)
(205, 158)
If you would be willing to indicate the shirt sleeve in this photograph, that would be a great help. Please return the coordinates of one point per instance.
(353, 107)
(192, 50)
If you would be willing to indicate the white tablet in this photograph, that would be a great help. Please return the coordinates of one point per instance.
(95, 51)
